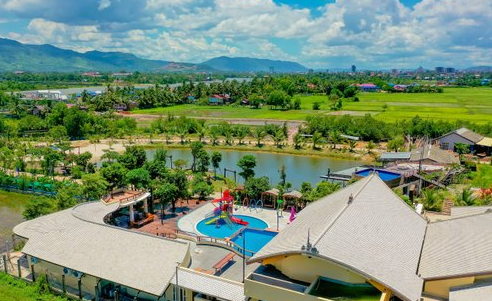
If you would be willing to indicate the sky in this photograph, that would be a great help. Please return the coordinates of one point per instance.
(320, 34)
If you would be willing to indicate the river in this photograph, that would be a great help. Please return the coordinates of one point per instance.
(298, 168)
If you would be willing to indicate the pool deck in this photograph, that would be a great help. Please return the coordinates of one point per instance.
(188, 222)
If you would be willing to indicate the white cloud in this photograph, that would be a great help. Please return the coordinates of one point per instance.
(103, 4)
(449, 32)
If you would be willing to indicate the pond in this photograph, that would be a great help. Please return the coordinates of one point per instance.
(298, 168)
(11, 208)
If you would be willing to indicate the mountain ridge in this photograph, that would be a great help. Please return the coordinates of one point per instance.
(49, 58)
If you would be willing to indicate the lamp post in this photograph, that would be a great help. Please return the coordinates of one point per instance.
(243, 233)
(171, 160)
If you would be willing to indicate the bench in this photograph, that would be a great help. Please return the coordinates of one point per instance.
(221, 263)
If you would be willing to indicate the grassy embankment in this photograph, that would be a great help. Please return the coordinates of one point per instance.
(470, 104)
(17, 290)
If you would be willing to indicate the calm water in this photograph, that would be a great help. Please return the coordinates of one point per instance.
(11, 210)
(298, 168)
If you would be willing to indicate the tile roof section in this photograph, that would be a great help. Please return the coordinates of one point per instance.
(377, 235)
(468, 210)
(435, 154)
(77, 239)
(457, 247)
(468, 134)
(210, 285)
(476, 292)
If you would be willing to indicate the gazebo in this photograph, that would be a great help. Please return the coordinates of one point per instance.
(270, 197)
(292, 198)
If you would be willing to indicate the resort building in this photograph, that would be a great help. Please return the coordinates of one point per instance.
(360, 243)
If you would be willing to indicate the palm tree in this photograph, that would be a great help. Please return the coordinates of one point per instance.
(335, 138)
(259, 134)
(182, 133)
(431, 199)
(370, 146)
(202, 132)
(465, 198)
(278, 137)
(298, 140)
(316, 139)
(352, 144)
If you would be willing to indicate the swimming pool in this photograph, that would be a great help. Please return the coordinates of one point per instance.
(223, 230)
(254, 239)
(383, 174)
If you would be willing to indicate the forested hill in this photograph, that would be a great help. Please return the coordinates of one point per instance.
(247, 64)
(43, 58)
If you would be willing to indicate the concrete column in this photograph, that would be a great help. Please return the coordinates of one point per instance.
(146, 206)
(79, 282)
(132, 215)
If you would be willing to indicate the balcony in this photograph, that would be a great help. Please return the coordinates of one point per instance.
(269, 284)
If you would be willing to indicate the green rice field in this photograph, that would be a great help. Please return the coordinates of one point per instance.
(469, 104)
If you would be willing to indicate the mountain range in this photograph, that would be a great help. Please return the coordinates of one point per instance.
(48, 58)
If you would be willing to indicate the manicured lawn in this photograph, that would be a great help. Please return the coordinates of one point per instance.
(17, 290)
(470, 104)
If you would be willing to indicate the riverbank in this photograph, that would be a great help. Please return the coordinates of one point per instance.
(98, 149)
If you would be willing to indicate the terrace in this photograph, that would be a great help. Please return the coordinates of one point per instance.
(268, 281)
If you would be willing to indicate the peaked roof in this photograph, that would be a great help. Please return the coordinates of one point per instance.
(376, 235)
(465, 133)
(434, 153)
(457, 247)
(78, 239)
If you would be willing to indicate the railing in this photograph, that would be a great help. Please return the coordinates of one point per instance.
(123, 201)
(207, 240)
(278, 282)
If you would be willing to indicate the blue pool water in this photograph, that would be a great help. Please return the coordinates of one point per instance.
(383, 175)
(255, 239)
(224, 230)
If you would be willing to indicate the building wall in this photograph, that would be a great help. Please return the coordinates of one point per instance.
(441, 288)
(307, 269)
(54, 273)
(448, 142)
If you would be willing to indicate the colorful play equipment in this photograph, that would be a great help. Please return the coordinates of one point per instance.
(223, 213)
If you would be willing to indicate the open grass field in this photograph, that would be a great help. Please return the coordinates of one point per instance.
(470, 104)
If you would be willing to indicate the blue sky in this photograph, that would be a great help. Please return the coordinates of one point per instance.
(372, 34)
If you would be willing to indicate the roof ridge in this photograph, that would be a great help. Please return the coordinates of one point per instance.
(351, 199)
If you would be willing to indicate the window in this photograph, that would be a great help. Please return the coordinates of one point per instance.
(445, 145)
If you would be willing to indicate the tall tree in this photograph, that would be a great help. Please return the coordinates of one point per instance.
(247, 164)
(216, 159)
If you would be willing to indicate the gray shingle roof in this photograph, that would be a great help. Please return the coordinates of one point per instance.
(394, 156)
(476, 292)
(457, 247)
(210, 285)
(78, 239)
(435, 154)
(468, 210)
(377, 235)
(468, 134)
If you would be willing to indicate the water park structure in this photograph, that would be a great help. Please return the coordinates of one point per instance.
(224, 213)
